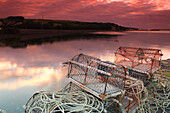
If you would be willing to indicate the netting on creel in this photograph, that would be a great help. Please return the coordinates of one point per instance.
(107, 79)
(146, 60)
(96, 74)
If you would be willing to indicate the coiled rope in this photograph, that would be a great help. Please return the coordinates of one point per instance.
(54, 102)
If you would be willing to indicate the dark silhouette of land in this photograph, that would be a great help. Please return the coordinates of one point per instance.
(160, 29)
(18, 32)
(21, 23)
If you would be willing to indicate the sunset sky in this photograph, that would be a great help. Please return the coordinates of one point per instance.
(131, 13)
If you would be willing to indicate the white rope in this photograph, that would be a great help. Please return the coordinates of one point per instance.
(49, 102)
(2, 111)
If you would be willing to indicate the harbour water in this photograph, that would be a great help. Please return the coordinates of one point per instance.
(24, 71)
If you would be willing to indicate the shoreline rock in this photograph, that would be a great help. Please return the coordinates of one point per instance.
(165, 67)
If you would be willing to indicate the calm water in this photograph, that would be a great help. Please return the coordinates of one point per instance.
(39, 67)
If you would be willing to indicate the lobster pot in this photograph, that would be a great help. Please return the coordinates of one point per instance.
(80, 72)
(143, 59)
(100, 77)
(106, 80)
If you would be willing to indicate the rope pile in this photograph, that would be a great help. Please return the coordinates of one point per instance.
(2, 111)
(158, 99)
(54, 102)
(141, 92)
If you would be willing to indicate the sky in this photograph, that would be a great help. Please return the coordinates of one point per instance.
(131, 13)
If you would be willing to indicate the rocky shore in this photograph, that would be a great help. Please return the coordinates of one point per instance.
(165, 67)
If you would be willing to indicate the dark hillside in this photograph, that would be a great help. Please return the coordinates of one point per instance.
(21, 23)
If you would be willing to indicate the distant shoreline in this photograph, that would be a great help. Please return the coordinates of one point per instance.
(19, 22)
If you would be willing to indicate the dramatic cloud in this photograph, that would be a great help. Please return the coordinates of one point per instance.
(158, 4)
(135, 13)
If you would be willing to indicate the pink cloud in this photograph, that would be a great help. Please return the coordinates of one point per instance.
(135, 13)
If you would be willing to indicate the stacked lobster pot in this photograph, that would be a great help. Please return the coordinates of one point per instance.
(107, 81)
(126, 86)
(141, 63)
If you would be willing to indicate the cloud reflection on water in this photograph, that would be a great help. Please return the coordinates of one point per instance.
(14, 77)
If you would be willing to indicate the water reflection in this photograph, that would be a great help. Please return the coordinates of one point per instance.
(14, 77)
(39, 67)
(17, 41)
